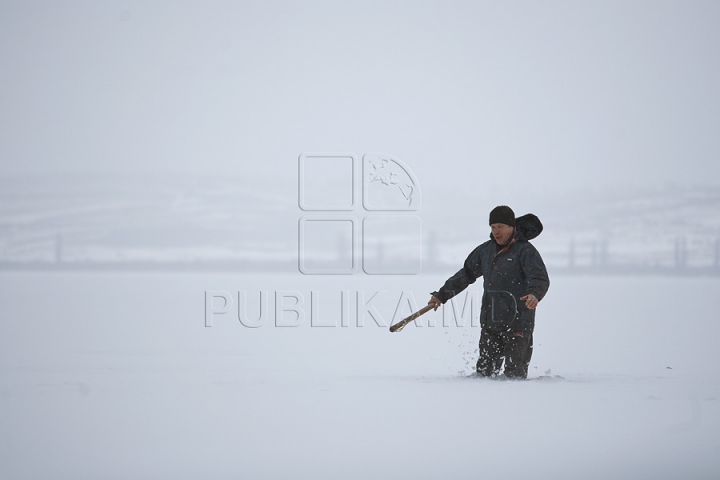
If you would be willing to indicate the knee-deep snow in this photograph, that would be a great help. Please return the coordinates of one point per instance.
(107, 375)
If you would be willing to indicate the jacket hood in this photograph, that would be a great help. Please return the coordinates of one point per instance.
(527, 227)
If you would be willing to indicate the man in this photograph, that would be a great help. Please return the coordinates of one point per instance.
(515, 280)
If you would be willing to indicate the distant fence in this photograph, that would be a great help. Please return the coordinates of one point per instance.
(674, 256)
(669, 256)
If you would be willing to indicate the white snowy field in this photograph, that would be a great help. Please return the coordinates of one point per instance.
(106, 375)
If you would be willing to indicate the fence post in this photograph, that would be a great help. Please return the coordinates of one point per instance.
(431, 250)
(680, 252)
(58, 248)
(603, 255)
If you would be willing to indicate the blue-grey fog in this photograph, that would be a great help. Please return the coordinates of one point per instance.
(580, 93)
(165, 117)
(210, 213)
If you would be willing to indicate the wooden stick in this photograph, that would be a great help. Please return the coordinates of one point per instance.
(401, 324)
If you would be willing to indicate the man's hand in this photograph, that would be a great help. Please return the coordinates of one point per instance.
(434, 302)
(530, 301)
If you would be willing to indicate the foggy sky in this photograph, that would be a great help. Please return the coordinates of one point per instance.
(544, 93)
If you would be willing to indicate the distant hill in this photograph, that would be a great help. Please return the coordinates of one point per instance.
(214, 222)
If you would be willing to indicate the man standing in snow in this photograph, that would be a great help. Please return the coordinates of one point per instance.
(515, 280)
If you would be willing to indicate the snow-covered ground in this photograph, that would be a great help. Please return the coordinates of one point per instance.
(115, 375)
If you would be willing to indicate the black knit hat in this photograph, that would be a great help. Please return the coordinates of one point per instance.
(502, 214)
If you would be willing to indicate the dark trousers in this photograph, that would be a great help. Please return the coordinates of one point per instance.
(514, 347)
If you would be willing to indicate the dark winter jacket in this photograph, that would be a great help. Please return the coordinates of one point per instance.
(509, 273)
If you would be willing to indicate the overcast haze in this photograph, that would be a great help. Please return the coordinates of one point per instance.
(169, 303)
(549, 92)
